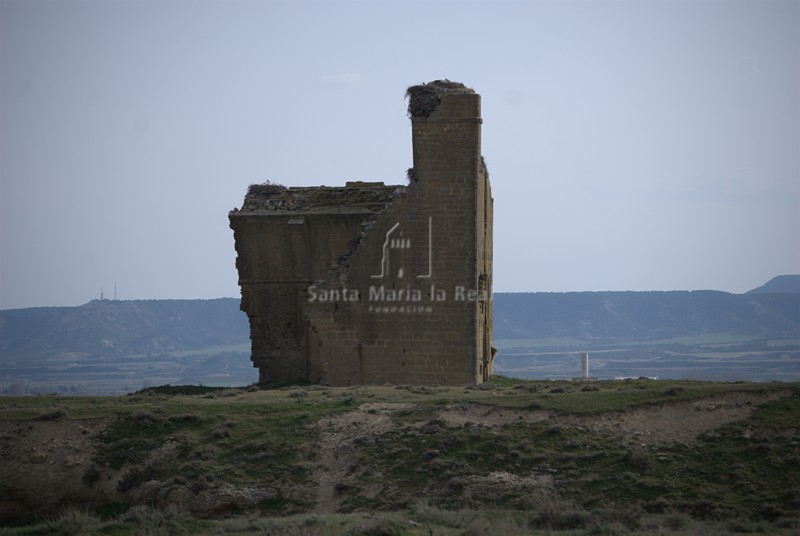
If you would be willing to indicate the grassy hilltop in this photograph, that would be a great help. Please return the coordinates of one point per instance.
(510, 457)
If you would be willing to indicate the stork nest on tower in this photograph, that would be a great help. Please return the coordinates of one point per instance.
(424, 98)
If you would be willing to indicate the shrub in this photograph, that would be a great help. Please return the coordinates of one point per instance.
(549, 513)
(789, 523)
(167, 521)
(71, 520)
(55, 415)
(612, 529)
(744, 526)
(637, 458)
(424, 512)
(187, 418)
(675, 521)
(380, 527)
(135, 477)
(144, 418)
(91, 476)
(659, 505)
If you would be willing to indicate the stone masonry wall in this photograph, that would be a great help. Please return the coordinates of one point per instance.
(412, 326)
(280, 256)
(392, 295)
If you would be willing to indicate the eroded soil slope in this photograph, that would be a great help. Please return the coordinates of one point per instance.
(324, 450)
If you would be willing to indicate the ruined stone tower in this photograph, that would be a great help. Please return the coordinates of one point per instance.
(372, 284)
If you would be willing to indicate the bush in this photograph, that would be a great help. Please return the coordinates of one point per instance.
(135, 477)
(91, 476)
(612, 529)
(675, 521)
(168, 521)
(55, 415)
(144, 418)
(425, 512)
(187, 418)
(220, 432)
(549, 513)
(745, 526)
(789, 523)
(71, 520)
(380, 527)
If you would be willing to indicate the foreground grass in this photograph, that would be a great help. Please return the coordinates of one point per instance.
(160, 450)
(573, 398)
(553, 518)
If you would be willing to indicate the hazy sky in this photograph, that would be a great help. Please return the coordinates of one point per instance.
(632, 145)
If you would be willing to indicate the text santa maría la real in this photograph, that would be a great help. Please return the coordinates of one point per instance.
(381, 293)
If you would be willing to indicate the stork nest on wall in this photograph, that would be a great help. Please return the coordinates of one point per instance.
(424, 98)
(266, 189)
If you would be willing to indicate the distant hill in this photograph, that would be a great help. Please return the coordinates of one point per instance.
(113, 347)
(644, 315)
(140, 327)
(782, 283)
(116, 329)
(120, 328)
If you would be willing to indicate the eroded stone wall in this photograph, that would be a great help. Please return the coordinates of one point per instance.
(394, 289)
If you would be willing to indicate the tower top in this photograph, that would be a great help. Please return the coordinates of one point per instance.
(424, 98)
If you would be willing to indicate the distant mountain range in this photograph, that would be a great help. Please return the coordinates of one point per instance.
(769, 311)
(121, 328)
(140, 327)
(782, 283)
(190, 338)
(644, 315)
